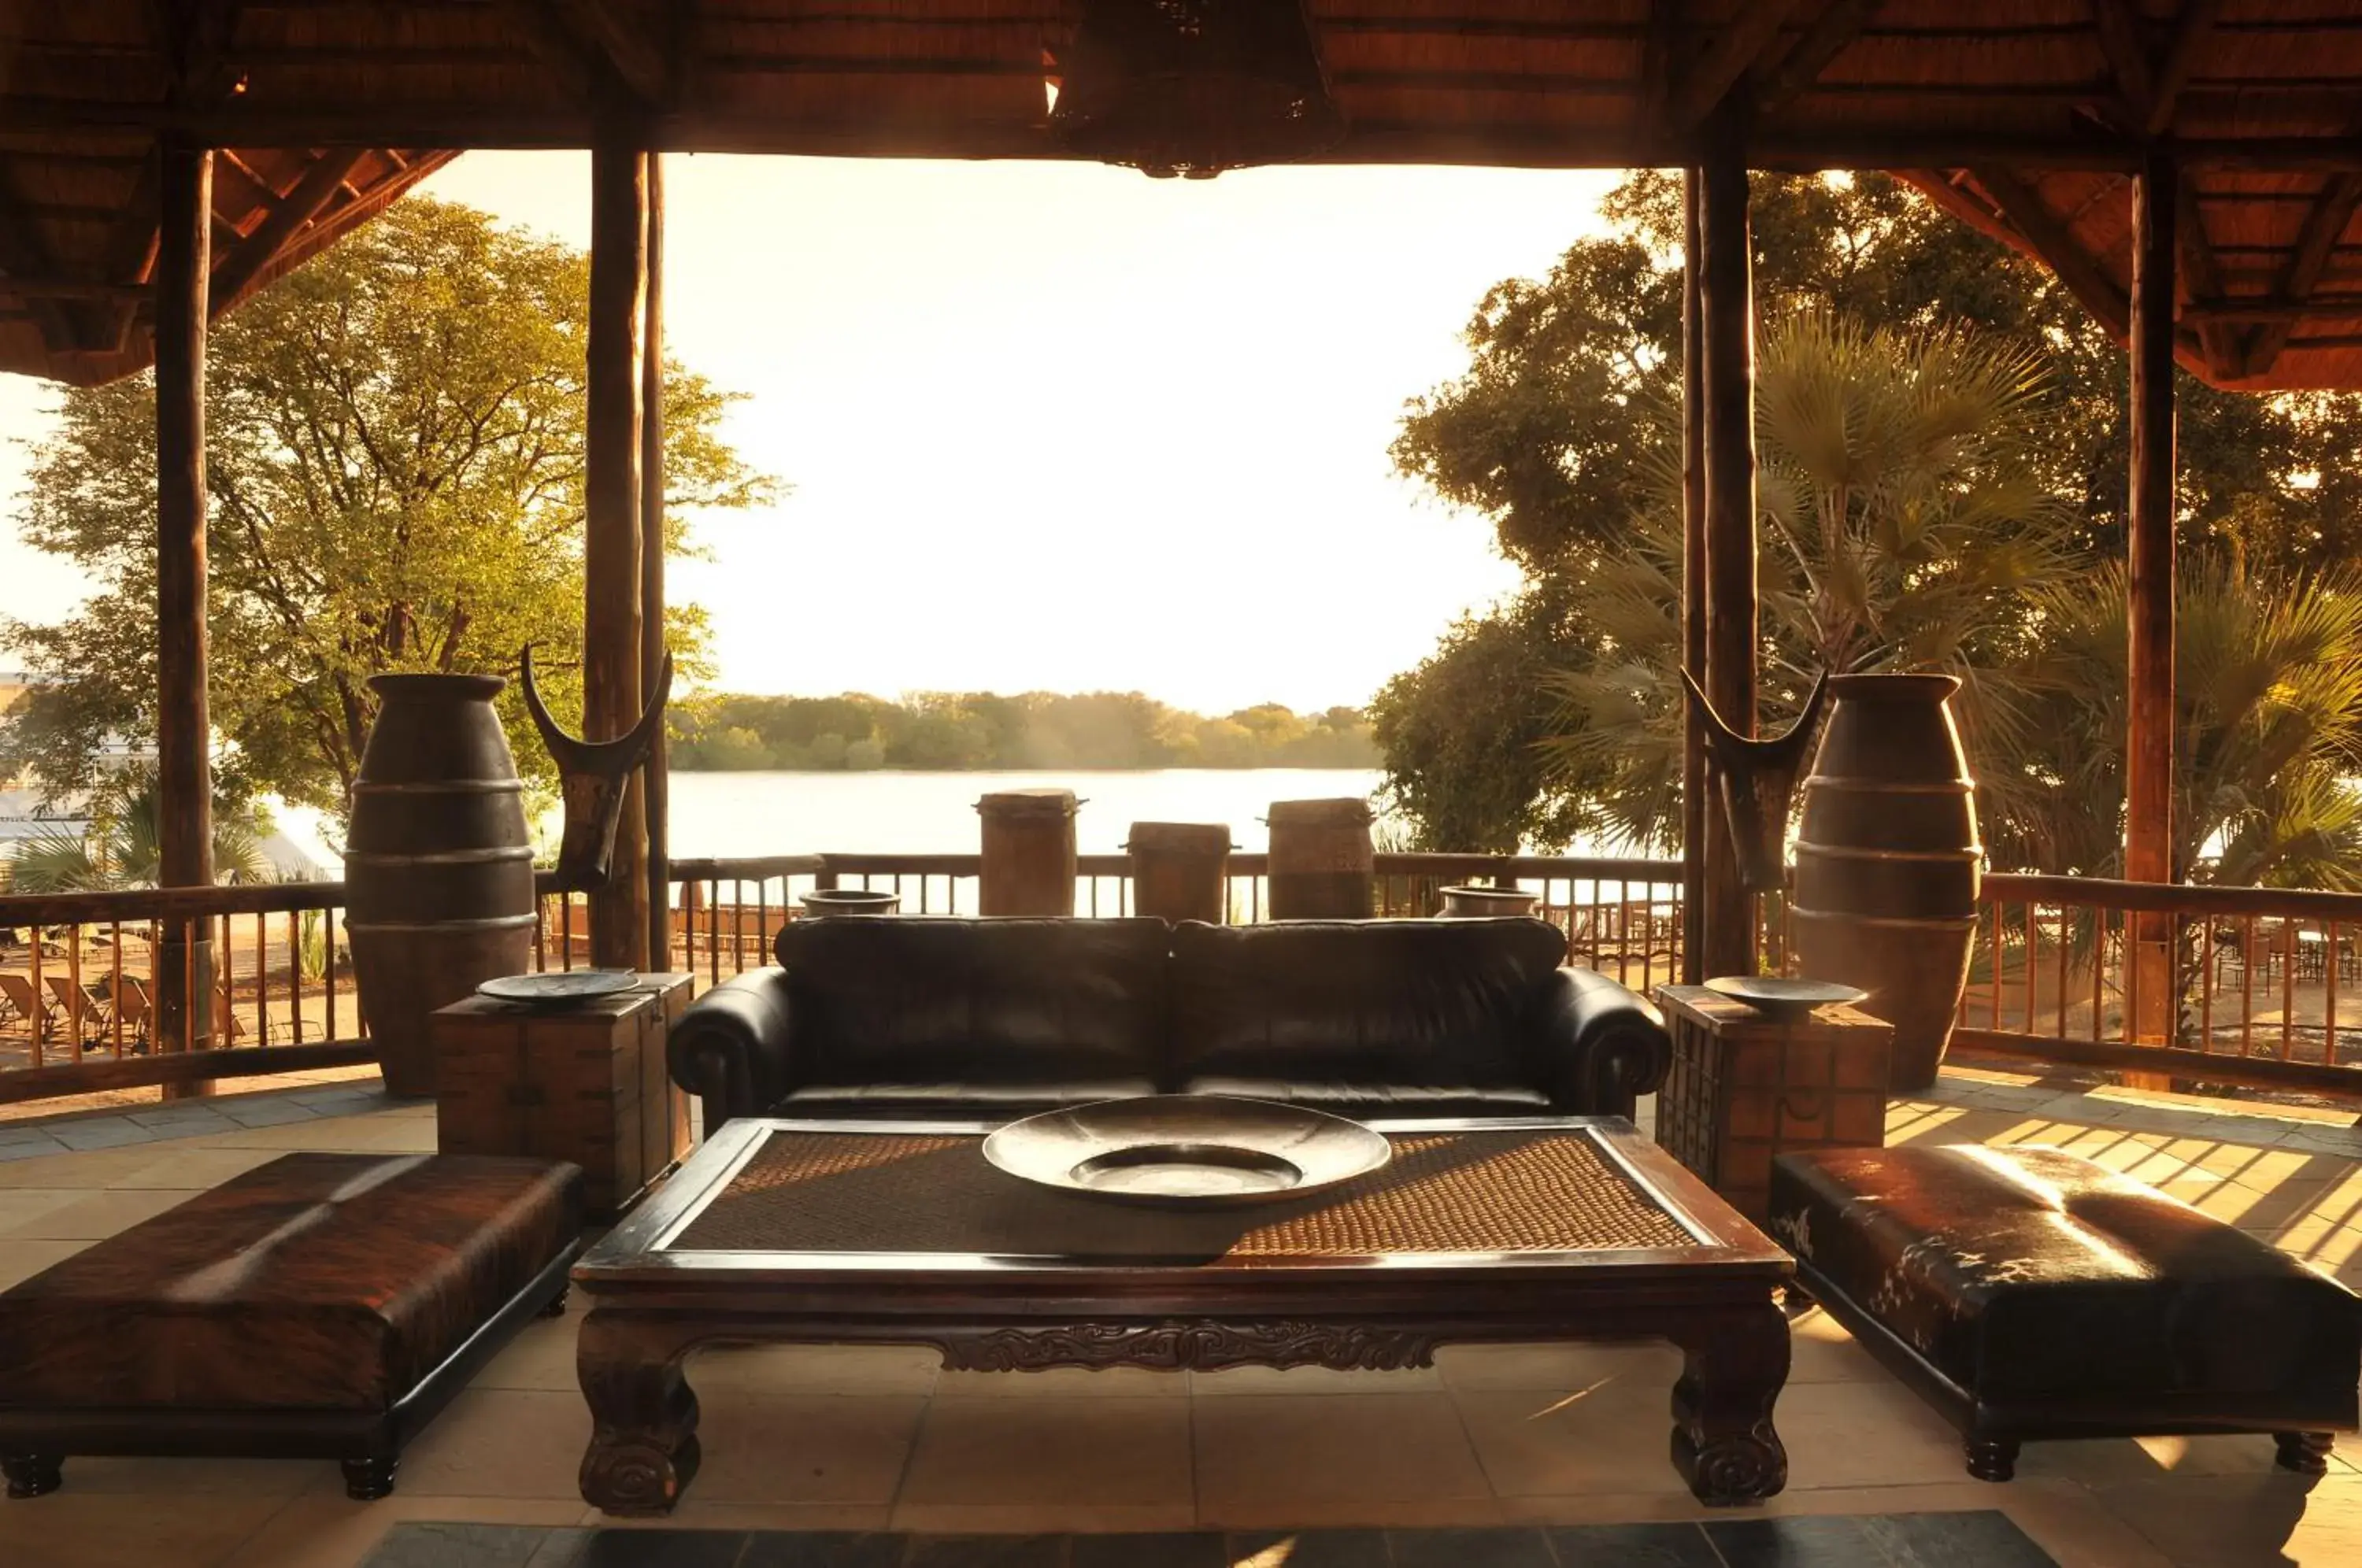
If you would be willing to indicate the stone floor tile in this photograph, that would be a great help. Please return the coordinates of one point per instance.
(541, 1356)
(1043, 1518)
(1827, 1428)
(1327, 1448)
(1170, 1548)
(100, 1132)
(792, 1518)
(1310, 1549)
(1489, 1546)
(1609, 1438)
(828, 1448)
(159, 1476)
(1236, 1380)
(1051, 1450)
(71, 1528)
(822, 1549)
(500, 1443)
(1555, 1367)
(21, 1260)
(1063, 1381)
(94, 1216)
(417, 1543)
(264, 1112)
(2075, 1527)
(826, 1369)
(1279, 1513)
(328, 1530)
(2231, 1521)
(662, 1548)
(1634, 1546)
(184, 1167)
(2099, 1461)
(31, 1205)
(986, 1552)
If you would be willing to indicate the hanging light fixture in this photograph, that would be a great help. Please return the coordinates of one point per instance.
(1193, 87)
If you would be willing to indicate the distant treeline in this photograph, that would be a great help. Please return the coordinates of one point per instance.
(983, 730)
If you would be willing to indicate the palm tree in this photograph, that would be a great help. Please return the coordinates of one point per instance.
(1904, 526)
(2267, 688)
(124, 849)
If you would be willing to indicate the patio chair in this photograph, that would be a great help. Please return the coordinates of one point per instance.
(28, 1004)
(76, 1003)
(134, 1008)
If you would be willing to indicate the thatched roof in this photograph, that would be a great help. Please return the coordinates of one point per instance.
(2258, 96)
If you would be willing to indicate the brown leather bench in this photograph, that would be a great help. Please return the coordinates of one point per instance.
(320, 1306)
(2029, 1293)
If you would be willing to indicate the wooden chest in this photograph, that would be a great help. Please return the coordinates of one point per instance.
(586, 1085)
(1744, 1088)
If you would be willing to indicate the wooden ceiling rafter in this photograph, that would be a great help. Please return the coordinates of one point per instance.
(2191, 31)
(1738, 48)
(23, 251)
(253, 254)
(599, 55)
(2316, 245)
(2202, 284)
(1840, 23)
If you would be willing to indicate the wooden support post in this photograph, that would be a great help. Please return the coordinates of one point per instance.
(2149, 742)
(612, 644)
(183, 961)
(1694, 812)
(656, 781)
(1725, 311)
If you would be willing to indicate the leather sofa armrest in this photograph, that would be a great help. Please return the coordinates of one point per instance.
(1601, 1046)
(731, 1046)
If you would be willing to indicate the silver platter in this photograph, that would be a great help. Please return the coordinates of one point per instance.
(1775, 998)
(561, 988)
(1196, 1151)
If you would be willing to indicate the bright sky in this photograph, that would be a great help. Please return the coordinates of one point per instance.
(1055, 425)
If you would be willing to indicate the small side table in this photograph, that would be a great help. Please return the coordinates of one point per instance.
(587, 1083)
(1744, 1088)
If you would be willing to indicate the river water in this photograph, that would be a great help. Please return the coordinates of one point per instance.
(934, 813)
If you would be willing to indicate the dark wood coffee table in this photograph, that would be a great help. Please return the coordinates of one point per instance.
(1499, 1230)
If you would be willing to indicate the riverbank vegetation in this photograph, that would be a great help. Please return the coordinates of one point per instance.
(951, 730)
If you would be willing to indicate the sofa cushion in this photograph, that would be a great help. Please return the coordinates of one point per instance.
(1443, 1003)
(918, 1000)
(965, 1099)
(2028, 1275)
(1362, 1097)
(323, 1282)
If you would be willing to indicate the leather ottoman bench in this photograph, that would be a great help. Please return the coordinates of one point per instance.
(2029, 1293)
(320, 1306)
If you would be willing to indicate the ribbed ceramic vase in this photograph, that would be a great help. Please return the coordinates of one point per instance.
(439, 863)
(1888, 861)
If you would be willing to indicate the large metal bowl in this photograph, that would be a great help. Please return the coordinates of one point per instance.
(1195, 1151)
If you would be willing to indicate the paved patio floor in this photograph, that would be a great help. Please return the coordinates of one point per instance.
(880, 1439)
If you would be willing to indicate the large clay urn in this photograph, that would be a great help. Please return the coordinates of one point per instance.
(1887, 861)
(439, 863)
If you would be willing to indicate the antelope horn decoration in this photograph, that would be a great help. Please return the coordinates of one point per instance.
(591, 777)
(1758, 778)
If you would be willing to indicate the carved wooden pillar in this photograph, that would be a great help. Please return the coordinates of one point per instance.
(612, 589)
(2148, 748)
(1725, 934)
(1694, 815)
(183, 725)
(656, 779)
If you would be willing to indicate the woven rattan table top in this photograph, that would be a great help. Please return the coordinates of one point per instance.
(1525, 1190)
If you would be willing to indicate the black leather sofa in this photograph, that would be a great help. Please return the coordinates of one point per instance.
(914, 1016)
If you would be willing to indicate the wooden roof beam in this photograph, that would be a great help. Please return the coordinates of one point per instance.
(23, 252)
(1840, 23)
(1739, 46)
(2049, 238)
(2190, 33)
(2123, 39)
(2202, 279)
(251, 256)
(130, 252)
(595, 50)
(2316, 242)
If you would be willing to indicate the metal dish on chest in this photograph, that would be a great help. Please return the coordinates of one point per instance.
(1192, 1151)
(1783, 1000)
(559, 988)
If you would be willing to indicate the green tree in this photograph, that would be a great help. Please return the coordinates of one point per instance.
(394, 475)
(1906, 524)
(1563, 424)
(122, 847)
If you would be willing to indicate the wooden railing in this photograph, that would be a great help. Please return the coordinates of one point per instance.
(2265, 985)
(2261, 984)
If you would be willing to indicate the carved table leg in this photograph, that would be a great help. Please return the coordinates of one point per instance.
(1724, 1443)
(33, 1474)
(643, 1449)
(2307, 1454)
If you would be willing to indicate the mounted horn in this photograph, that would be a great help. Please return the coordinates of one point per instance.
(1758, 777)
(591, 779)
